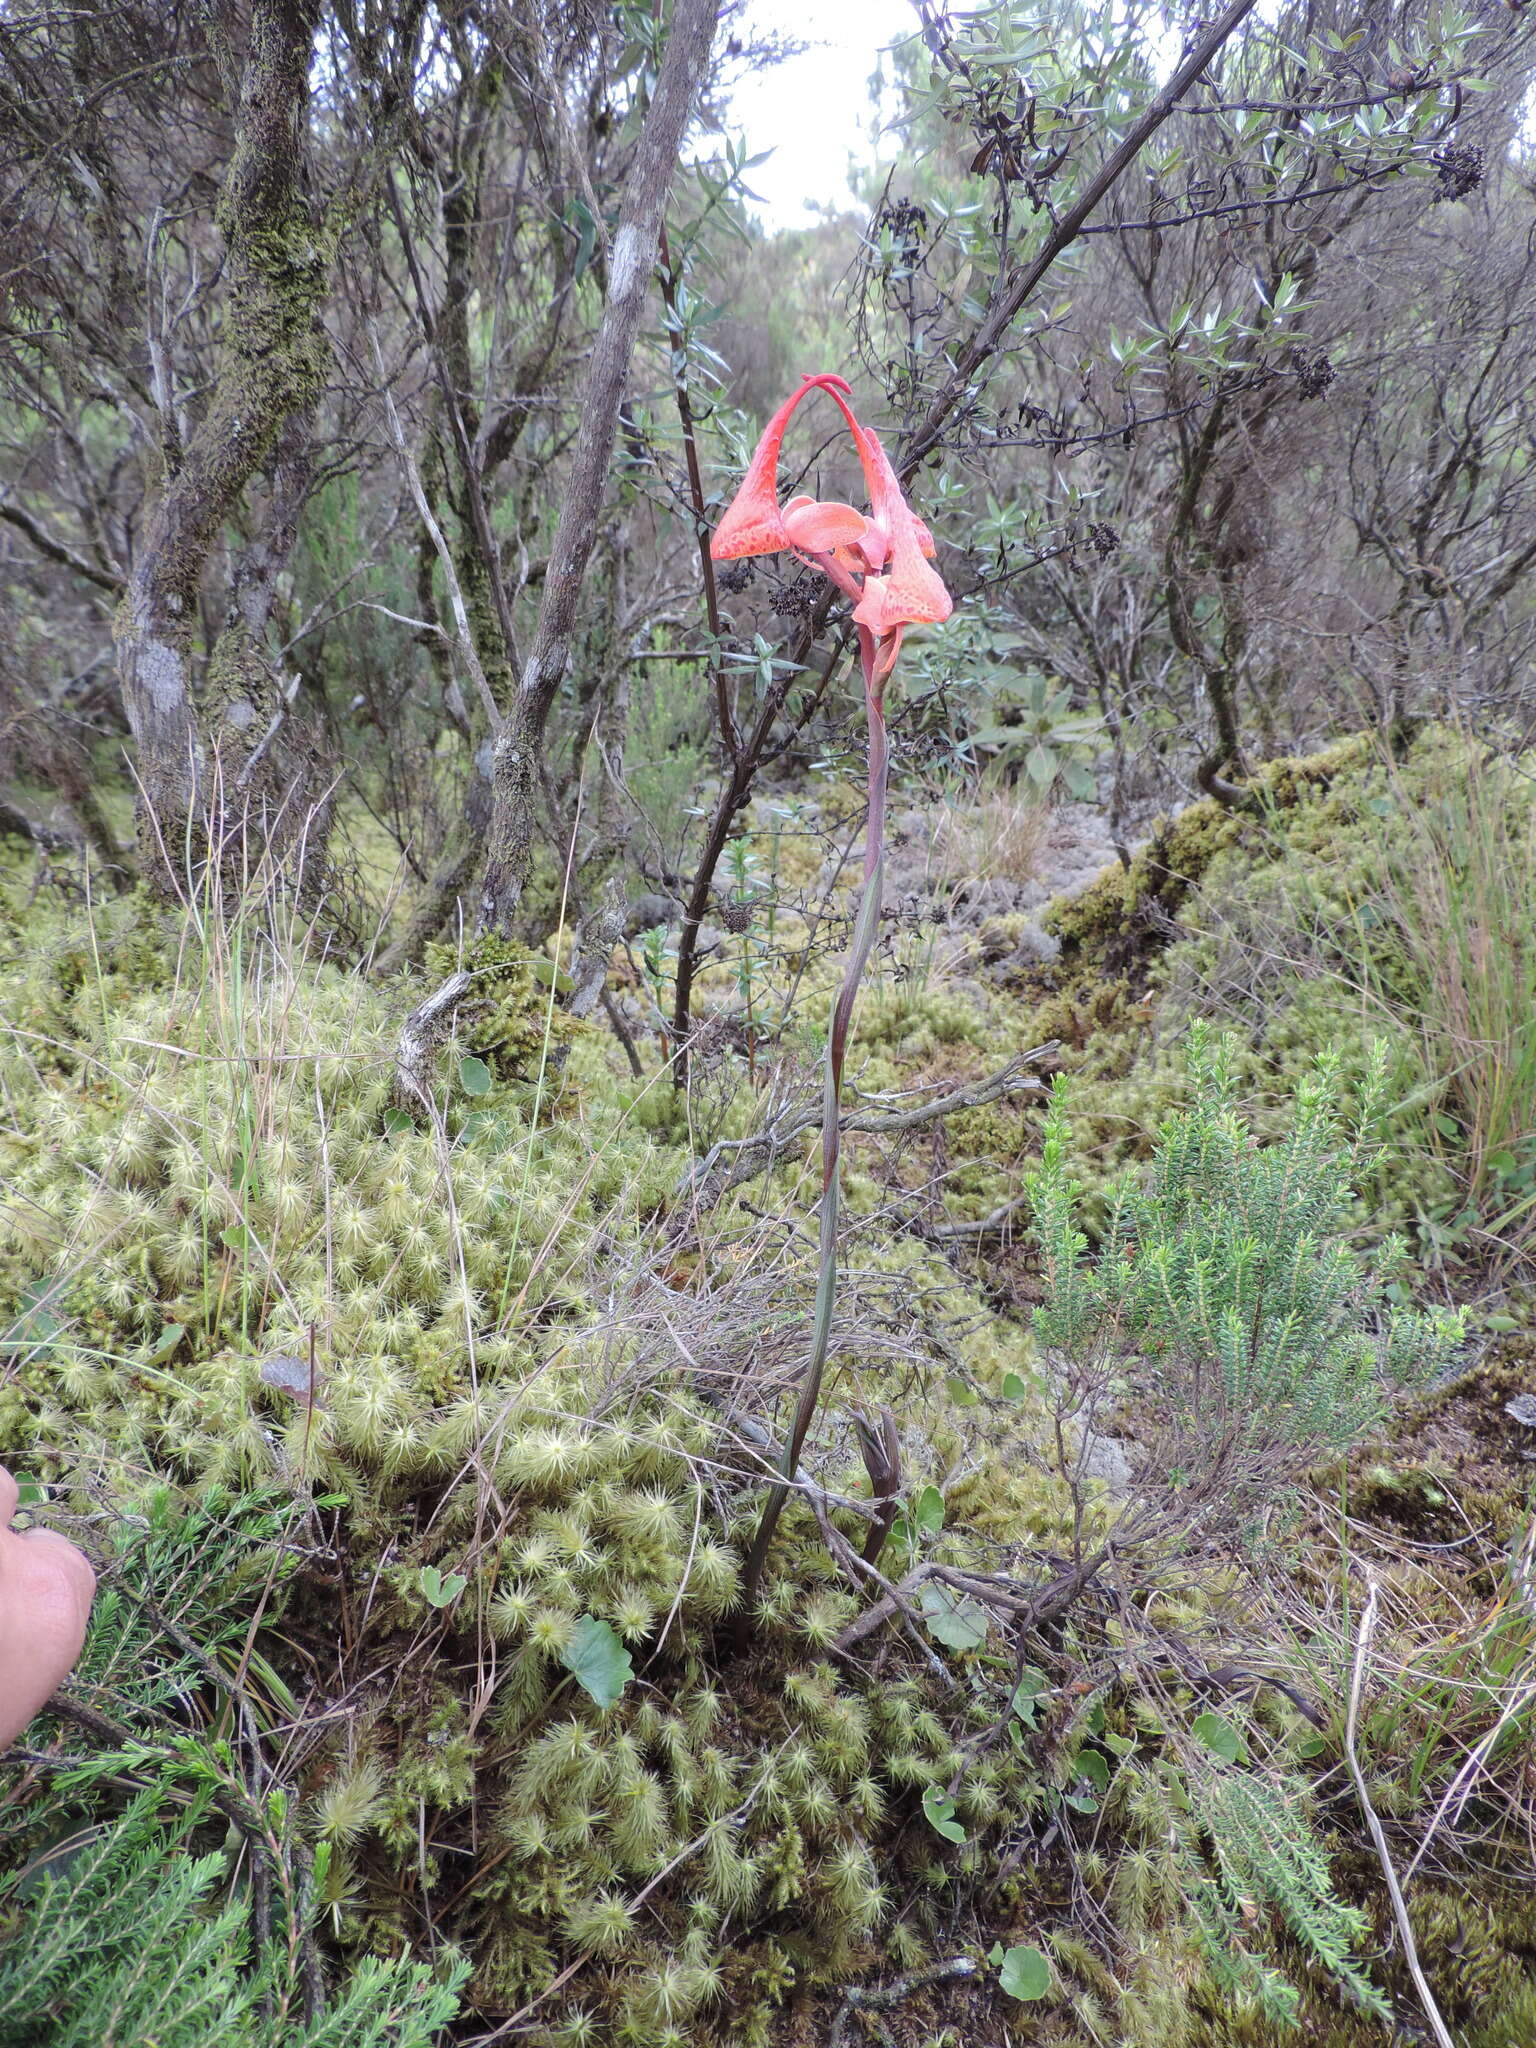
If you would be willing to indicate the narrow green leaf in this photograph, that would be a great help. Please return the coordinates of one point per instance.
(170, 1337)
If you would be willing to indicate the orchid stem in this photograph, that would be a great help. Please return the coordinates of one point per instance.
(865, 929)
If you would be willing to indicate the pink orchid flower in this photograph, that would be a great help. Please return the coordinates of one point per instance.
(881, 560)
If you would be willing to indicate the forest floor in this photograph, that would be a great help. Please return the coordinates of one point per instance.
(497, 1381)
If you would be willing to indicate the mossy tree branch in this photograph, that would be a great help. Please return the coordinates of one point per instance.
(271, 367)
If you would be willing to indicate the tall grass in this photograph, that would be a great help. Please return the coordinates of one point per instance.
(1457, 971)
(991, 829)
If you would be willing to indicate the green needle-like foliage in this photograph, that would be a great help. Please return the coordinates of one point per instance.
(1227, 1300)
(1265, 1858)
(128, 1935)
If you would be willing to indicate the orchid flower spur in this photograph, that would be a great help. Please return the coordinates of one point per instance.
(882, 561)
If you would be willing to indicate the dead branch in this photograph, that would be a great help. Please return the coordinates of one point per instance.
(874, 1998)
(735, 1161)
(420, 1036)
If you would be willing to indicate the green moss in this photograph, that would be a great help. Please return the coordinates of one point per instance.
(212, 1213)
(508, 1018)
(204, 1177)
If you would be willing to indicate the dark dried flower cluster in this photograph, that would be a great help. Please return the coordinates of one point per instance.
(735, 576)
(1313, 372)
(905, 218)
(796, 600)
(736, 916)
(1458, 169)
(1103, 538)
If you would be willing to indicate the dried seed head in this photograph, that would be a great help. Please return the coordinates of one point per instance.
(1313, 372)
(1458, 170)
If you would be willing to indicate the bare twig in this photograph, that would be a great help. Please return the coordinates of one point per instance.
(462, 634)
(1368, 1619)
(883, 1997)
(519, 743)
(989, 336)
(734, 1161)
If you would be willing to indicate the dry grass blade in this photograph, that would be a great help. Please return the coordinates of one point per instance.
(1378, 1832)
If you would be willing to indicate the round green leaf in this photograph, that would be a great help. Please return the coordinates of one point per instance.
(597, 1660)
(1025, 1973)
(939, 1810)
(1219, 1736)
(959, 1624)
(551, 975)
(474, 1075)
(928, 1511)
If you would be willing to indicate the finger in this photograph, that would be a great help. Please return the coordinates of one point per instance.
(68, 1566)
(45, 1601)
(10, 1493)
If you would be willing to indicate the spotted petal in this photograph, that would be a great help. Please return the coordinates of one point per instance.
(753, 523)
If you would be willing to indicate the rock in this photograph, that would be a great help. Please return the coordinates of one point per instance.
(644, 913)
(1105, 1458)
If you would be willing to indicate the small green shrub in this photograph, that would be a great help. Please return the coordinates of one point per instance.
(1227, 1305)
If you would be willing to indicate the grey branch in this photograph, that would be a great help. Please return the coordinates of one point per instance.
(737, 1160)
(58, 550)
(1438, 2027)
(420, 1036)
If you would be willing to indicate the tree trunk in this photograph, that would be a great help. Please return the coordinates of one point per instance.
(271, 366)
(519, 744)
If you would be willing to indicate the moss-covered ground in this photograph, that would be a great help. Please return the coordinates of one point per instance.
(511, 1391)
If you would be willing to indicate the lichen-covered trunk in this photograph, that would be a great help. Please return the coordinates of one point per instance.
(196, 771)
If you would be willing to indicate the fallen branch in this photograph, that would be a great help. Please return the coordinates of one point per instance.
(873, 1998)
(1026, 1608)
(46, 838)
(420, 1036)
(986, 1226)
(735, 1161)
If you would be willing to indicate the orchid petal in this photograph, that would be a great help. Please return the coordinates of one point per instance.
(753, 523)
(818, 528)
(916, 592)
